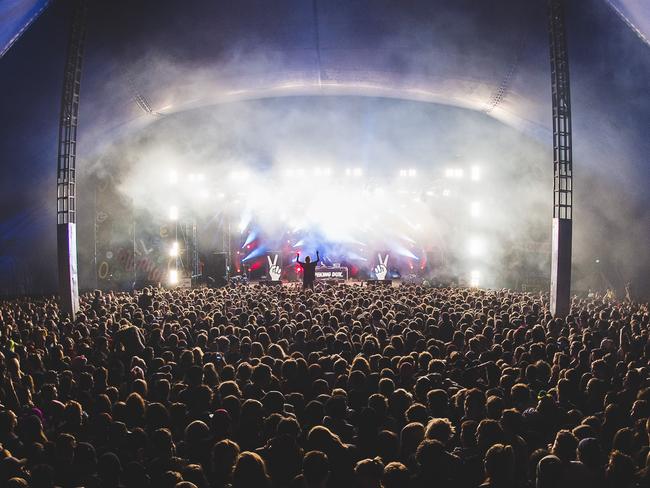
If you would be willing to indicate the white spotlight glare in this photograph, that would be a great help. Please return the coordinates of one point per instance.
(173, 212)
(412, 172)
(173, 251)
(357, 172)
(474, 279)
(173, 277)
(402, 172)
(446, 192)
(239, 174)
(475, 209)
(458, 173)
(475, 247)
(475, 173)
(173, 177)
(449, 173)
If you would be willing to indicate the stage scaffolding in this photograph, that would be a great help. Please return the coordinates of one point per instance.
(562, 162)
(66, 211)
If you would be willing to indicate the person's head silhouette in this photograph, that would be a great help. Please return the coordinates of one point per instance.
(307, 259)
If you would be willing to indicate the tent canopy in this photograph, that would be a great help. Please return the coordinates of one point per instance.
(150, 59)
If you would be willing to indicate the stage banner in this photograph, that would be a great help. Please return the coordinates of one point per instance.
(113, 237)
(327, 273)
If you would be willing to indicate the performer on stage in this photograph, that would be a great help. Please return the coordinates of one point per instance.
(308, 271)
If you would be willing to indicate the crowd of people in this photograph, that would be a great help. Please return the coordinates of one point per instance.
(342, 386)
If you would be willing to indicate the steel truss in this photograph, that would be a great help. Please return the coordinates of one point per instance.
(66, 172)
(562, 162)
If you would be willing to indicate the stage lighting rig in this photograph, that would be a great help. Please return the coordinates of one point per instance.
(409, 172)
(454, 173)
(356, 172)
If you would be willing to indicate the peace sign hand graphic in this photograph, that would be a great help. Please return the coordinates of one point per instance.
(381, 270)
(274, 270)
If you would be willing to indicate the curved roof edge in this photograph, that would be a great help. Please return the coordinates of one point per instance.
(15, 18)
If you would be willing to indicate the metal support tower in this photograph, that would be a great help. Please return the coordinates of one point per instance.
(194, 252)
(66, 211)
(562, 163)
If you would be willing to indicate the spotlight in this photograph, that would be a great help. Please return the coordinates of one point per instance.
(173, 212)
(475, 247)
(446, 192)
(474, 279)
(410, 172)
(475, 209)
(173, 177)
(239, 174)
(173, 251)
(173, 277)
(475, 173)
(456, 173)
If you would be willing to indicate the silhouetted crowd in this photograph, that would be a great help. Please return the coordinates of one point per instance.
(344, 386)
